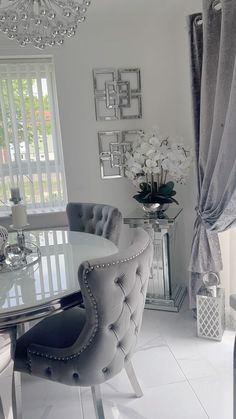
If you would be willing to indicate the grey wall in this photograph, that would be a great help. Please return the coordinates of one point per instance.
(152, 35)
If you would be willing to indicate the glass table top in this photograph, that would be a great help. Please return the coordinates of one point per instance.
(169, 216)
(55, 274)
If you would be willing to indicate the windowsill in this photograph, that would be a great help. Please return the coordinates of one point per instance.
(46, 210)
(40, 218)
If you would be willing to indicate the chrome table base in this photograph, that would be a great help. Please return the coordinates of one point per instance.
(7, 349)
(10, 381)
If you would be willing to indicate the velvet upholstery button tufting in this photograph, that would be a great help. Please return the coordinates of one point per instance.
(115, 314)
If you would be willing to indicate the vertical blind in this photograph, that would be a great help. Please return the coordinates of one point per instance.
(30, 142)
(52, 275)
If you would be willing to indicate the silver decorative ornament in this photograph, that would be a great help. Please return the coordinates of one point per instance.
(3, 234)
(3, 240)
(41, 23)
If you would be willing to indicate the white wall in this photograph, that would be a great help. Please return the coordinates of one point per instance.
(152, 35)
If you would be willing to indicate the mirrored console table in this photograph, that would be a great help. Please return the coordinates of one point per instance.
(164, 292)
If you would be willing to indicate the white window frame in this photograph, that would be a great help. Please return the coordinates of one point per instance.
(43, 66)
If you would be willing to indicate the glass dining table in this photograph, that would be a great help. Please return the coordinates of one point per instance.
(43, 288)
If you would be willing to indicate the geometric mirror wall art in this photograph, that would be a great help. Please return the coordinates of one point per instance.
(112, 148)
(117, 93)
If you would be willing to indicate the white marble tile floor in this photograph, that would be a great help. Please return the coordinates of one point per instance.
(182, 377)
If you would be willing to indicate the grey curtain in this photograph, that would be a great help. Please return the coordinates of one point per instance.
(213, 52)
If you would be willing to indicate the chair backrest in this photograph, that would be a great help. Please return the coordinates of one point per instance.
(99, 219)
(114, 291)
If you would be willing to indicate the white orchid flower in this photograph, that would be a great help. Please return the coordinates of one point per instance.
(165, 164)
(129, 174)
(140, 179)
(150, 163)
(146, 170)
(144, 148)
(135, 170)
(157, 155)
(153, 153)
(156, 170)
(139, 158)
(137, 165)
(150, 152)
(155, 142)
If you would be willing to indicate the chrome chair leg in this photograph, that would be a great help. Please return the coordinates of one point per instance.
(17, 396)
(133, 379)
(234, 381)
(22, 328)
(6, 395)
(97, 401)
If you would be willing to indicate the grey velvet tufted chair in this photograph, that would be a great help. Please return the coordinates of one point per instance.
(86, 347)
(103, 220)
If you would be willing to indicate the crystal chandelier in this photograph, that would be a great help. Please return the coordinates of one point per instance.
(41, 22)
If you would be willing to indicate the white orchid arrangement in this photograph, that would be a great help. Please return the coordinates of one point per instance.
(153, 163)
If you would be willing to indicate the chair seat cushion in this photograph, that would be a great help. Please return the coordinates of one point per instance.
(57, 331)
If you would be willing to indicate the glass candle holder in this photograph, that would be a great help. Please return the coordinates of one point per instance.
(14, 255)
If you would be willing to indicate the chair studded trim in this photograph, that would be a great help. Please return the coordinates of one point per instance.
(89, 346)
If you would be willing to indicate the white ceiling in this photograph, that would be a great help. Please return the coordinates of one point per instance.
(127, 13)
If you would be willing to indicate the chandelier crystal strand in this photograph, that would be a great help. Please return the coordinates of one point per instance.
(41, 22)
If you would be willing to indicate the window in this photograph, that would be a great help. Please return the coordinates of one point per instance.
(30, 142)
